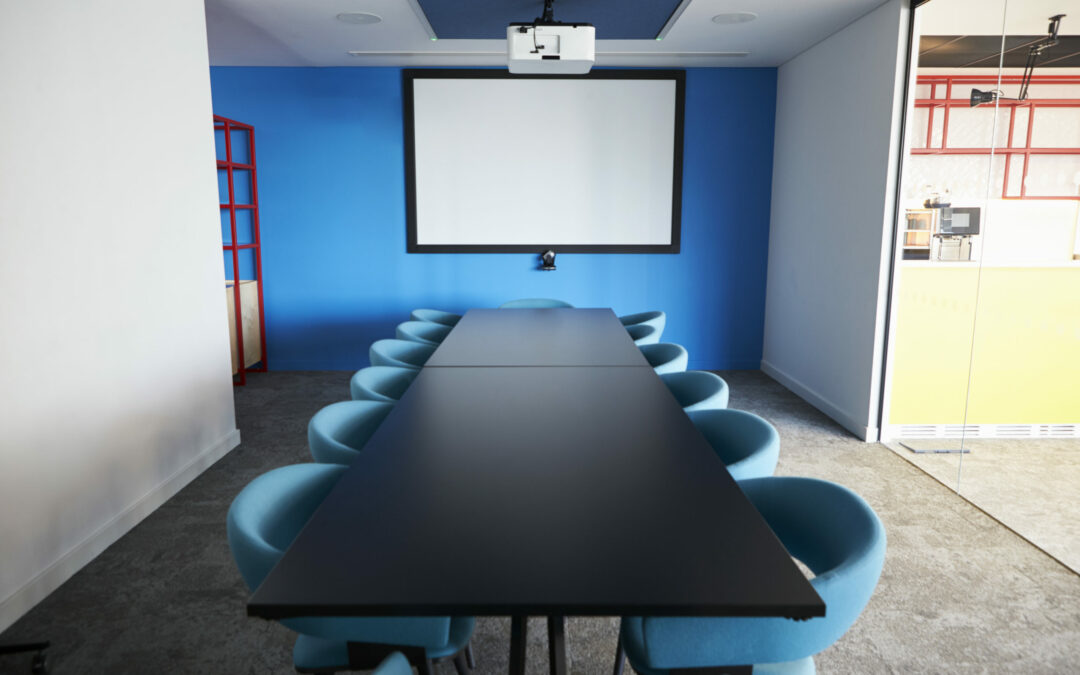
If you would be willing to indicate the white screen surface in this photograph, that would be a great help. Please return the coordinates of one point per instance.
(544, 162)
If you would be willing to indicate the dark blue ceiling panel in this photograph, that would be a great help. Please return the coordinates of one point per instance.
(488, 19)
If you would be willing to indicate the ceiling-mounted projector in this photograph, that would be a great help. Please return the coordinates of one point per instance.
(550, 47)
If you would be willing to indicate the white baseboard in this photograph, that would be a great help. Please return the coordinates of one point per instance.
(49, 579)
(860, 429)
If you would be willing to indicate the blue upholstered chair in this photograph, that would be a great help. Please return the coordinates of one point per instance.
(435, 316)
(697, 389)
(747, 444)
(381, 383)
(264, 519)
(643, 334)
(338, 432)
(424, 332)
(826, 526)
(395, 664)
(666, 357)
(400, 353)
(534, 303)
(655, 319)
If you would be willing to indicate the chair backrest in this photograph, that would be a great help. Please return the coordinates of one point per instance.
(270, 511)
(697, 389)
(534, 303)
(381, 383)
(424, 332)
(643, 334)
(830, 529)
(666, 357)
(835, 533)
(400, 353)
(657, 320)
(338, 432)
(262, 522)
(747, 444)
(435, 316)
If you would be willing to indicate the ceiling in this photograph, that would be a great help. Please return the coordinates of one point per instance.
(984, 51)
(967, 33)
(292, 33)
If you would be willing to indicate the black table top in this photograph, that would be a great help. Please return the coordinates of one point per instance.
(557, 491)
(538, 337)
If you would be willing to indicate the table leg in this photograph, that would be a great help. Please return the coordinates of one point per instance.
(519, 633)
(557, 645)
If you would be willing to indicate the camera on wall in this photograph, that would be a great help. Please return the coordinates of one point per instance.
(547, 260)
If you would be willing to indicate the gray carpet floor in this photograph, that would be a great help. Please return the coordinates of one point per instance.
(960, 593)
(1031, 485)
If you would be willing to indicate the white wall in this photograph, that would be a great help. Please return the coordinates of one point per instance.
(114, 374)
(838, 114)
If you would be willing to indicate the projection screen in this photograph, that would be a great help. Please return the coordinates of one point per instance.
(502, 163)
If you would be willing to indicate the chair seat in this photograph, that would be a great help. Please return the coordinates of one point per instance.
(381, 383)
(666, 357)
(424, 332)
(803, 666)
(643, 334)
(315, 653)
(747, 444)
(400, 353)
(655, 319)
(338, 432)
(697, 389)
(435, 316)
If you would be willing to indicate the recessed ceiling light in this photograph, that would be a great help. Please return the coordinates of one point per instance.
(359, 18)
(734, 17)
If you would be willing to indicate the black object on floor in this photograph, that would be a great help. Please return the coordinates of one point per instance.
(39, 665)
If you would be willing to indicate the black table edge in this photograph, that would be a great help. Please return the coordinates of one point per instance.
(276, 612)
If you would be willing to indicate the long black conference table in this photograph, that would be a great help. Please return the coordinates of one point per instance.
(536, 466)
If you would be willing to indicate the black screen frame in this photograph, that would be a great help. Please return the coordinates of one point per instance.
(409, 75)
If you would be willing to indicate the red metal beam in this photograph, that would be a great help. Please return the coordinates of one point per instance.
(995, 151)
(256, 239)
(1026, 151)
(235, 258)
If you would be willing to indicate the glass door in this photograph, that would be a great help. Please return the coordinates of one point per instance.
(1023, 406)
(983, 369)
(951, 165)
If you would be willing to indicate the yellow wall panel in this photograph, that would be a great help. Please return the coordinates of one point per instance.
(1026, 366)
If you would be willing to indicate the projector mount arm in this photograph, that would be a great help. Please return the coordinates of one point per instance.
(546, 19)
(549, 12)
(1034, 52)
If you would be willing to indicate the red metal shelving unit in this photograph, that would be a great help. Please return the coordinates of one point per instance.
(233, 247)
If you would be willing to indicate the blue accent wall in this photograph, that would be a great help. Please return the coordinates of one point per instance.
(329, 151)
(488, 19)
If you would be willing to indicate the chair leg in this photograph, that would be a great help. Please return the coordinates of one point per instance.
(557, 645)
(519, 637)
(469, 658)
(425, 667)
(620, 657)
(459, 664)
